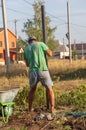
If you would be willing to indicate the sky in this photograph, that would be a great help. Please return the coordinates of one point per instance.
(21, 10)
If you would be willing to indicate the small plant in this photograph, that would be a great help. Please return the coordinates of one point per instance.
(67, 127)
(23, 128)
(21, 98)
(76, 98)
(11, 128)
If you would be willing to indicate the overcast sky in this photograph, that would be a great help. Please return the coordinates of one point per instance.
(21, 10)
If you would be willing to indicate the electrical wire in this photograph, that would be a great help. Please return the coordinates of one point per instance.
(28, 2)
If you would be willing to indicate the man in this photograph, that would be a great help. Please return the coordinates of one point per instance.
(34, 56)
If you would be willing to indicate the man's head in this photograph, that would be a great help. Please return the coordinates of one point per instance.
(32, 39)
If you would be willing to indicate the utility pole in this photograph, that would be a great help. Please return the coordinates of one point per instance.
(82, 50)
(7, 54)
(63, 49)
(43, 23)
(44, 40)
(69, 36)
(74, 45)
(15, 22)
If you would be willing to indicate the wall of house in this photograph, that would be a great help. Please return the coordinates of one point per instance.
(2, 48)
(12, 45)
(11, 39)
(64, 54)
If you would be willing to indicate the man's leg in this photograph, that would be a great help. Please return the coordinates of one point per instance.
(51, 98)
(33, 84)
(31, 97)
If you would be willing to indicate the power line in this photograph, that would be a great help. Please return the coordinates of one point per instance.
(56, 17)
(16, 11)
(78, 25)
(66, 22)
(28, 2)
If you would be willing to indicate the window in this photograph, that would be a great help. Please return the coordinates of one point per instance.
(0, 43)
(1, 55)
(12, 44)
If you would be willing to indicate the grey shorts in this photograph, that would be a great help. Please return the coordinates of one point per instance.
(42, 76)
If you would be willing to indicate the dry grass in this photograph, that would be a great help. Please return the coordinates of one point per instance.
(19, 74)
(60, 67)
(65, 65)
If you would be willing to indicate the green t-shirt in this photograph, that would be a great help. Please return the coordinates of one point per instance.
(34, 54)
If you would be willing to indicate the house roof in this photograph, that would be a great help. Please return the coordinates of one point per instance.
(78, 46)
(2, 29)
(61, 48)
(20, 50)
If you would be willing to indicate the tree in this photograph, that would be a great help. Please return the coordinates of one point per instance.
(34, 26)
(21, 43)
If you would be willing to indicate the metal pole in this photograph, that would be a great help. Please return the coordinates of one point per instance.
(69, 37)
(44, 40)
(82, 49)
(15, 22)
(63, 49)
(7, 54)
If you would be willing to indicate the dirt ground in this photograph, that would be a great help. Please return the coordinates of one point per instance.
(31, 121)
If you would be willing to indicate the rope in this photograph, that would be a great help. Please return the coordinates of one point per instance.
(73, 114)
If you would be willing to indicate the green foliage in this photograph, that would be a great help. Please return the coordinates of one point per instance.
(67, 127)
(23, 128)
(74, 54)
(76, 98)
(65, 98)
(21, 43)
(34, 26)
(22, 96)
(79, 98)
(12, 128)
(72, 74)
(39, 99)
(40, 96)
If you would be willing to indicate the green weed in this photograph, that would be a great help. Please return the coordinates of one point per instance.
(76, 98)
(12, 128)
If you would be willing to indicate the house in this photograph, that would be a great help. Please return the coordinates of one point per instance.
(80, 49)
(62, 51)
(12, 45)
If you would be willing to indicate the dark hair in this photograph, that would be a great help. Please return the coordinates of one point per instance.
(31, 38)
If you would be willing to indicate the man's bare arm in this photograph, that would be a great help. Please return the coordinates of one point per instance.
(48, 52)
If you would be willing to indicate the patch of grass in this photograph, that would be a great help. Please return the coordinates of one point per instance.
(22, 96)
(12, 128)
(77, 74)
(76, 98)
(23, 128)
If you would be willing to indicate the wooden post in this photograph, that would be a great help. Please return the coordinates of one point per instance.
(44, 40)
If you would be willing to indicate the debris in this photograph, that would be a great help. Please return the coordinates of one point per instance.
(49, 117)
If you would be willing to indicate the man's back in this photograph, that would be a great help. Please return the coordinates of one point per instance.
(36, 56)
